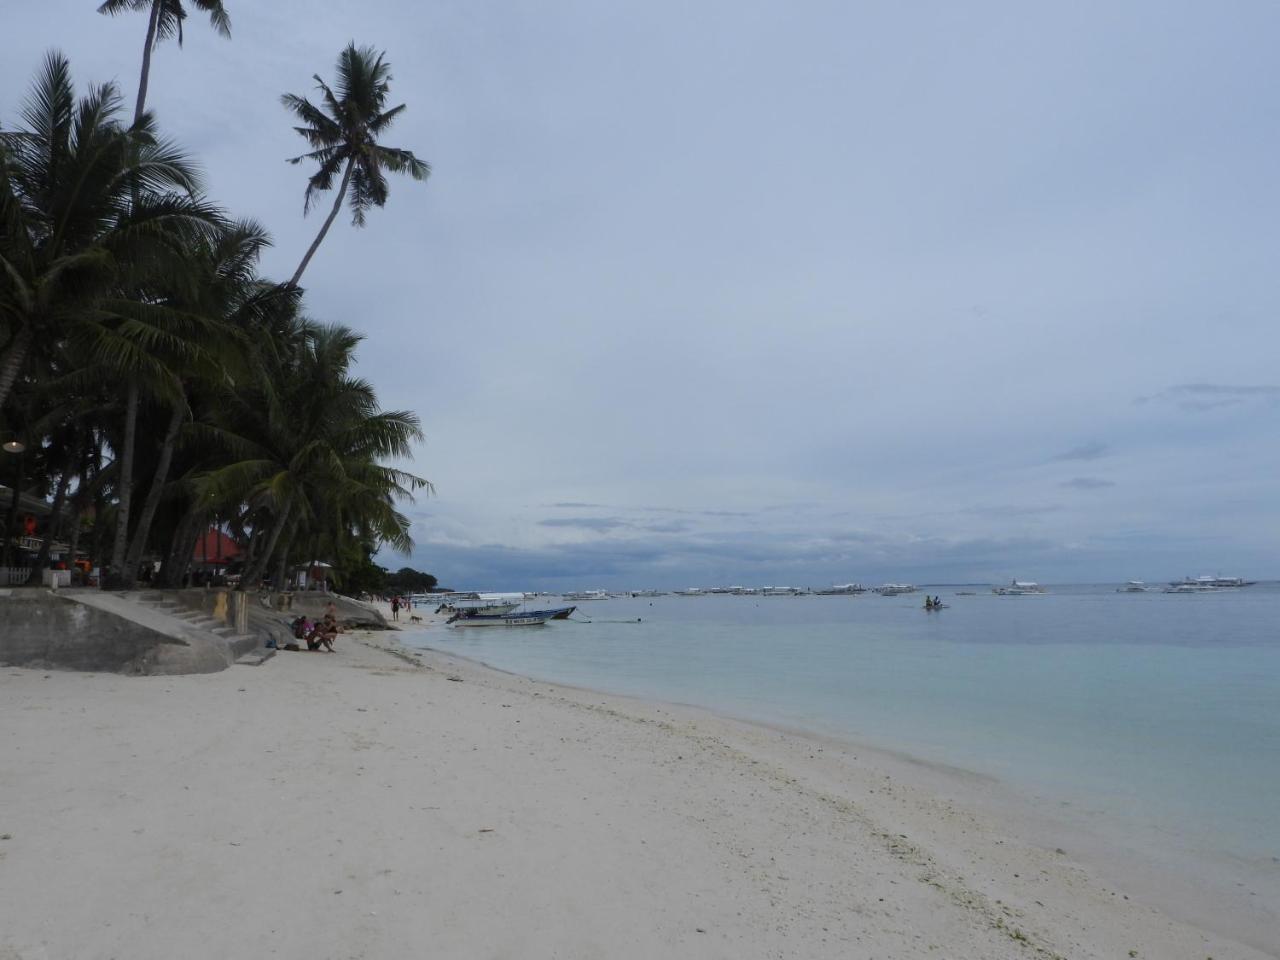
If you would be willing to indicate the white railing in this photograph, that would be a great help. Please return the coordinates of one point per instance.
(14, 576)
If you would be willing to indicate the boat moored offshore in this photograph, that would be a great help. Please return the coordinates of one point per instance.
(1019, 588)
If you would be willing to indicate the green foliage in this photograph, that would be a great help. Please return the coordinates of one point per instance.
(115, 269)
(408, 580)
(344, 131)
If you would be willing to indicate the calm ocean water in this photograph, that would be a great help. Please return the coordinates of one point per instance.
(1160, 711)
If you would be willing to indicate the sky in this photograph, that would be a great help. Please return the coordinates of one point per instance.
(782, 293)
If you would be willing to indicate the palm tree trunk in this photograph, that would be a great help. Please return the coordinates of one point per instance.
(145, 77)
(259, 566)
(73, 544)
(170, 572)
(125, 483)
(152, 503)
(282, 569)
(11, 519)
(11, 364)
(333, 215)
(53, 528)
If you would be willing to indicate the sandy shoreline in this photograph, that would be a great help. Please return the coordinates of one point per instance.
(365, 804)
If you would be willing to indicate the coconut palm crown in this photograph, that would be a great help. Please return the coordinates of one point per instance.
(343, 134)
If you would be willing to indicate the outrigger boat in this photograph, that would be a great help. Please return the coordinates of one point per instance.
(525, 618)
(1019, 588)
(484, 604)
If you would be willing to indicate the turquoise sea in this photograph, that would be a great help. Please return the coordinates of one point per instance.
(1156, 711)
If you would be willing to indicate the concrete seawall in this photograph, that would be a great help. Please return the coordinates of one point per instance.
(91, 630)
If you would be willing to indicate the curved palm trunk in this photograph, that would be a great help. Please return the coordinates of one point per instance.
(144, 79)
(253, 575)
(125, 482)
(333, 215)
(152, 503)
(11, 364)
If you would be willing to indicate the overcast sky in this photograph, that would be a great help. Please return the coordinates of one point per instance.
(783, 292)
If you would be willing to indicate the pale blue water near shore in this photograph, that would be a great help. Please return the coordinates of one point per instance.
(1152, 709)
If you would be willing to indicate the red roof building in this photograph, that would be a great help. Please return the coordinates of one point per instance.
(215, 549)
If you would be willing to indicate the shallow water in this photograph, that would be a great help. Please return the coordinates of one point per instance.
(1159, 713)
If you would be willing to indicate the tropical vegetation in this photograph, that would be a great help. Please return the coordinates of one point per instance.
(153, 384)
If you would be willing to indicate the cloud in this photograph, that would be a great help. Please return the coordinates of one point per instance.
(1093, 450)
(1211, 396)
(599, 524)
(669, 526)
(1002, 511)
(1087, 483)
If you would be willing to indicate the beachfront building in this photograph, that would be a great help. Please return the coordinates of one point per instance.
(26, 521)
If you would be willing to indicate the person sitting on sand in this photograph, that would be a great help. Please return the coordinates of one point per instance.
(321, 637)
(325, 633)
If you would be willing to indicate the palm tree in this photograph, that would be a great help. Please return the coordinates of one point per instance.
(305, 466)
(344, 139)
(222, 283)
(165, 21)
(88, 208)
(96, 218)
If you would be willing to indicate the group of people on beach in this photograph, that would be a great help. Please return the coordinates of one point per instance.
(317, 635)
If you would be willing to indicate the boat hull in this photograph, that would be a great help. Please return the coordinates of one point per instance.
(524, 620)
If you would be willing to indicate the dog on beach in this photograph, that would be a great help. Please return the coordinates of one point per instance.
(414, 618)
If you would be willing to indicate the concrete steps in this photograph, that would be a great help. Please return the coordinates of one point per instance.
(246, 648)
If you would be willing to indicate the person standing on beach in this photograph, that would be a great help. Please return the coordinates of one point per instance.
(395, 608)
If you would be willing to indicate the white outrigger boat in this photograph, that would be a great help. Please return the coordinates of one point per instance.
(1133, 586)
(1019, 588)
(586, 595)
(895, 589)
(518, 618)
(1207, 584)
(841, 590)
(482, 604)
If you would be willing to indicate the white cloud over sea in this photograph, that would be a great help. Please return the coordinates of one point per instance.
(785, 293)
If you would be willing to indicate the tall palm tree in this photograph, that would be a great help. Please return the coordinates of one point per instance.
(344, 139)
(165, 21)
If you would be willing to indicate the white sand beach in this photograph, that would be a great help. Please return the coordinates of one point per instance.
(378, 802)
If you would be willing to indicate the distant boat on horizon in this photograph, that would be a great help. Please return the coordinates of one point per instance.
(1212, 582)
(1019, 588)
(895, 589)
